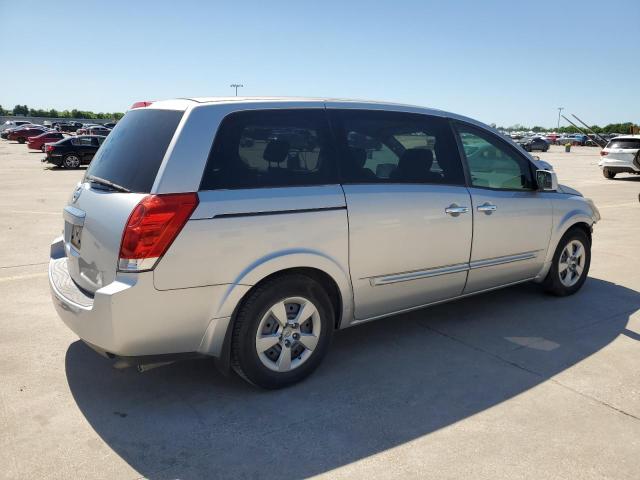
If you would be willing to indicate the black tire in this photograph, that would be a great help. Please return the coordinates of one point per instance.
(608, 173)
(552, 283)
(68, 161)
(42, 148)
(22, 140)
(244, 356)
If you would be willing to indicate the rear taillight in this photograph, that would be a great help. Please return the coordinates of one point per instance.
(603, 153)
(49, 148)
(152, 227)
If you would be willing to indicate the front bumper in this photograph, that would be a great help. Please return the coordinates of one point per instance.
(131, 318)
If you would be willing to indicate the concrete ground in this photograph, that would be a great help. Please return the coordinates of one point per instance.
(511, 384)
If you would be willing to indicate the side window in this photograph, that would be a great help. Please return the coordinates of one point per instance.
(271, 148)
(493, 164)
(393, 147)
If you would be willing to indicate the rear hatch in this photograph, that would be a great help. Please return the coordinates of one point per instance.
(121, 174)
(623, 149)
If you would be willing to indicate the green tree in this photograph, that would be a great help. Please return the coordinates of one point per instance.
(21, 110)
(53, 113)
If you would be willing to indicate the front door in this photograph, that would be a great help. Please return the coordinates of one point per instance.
(512, 220)
(409, 211)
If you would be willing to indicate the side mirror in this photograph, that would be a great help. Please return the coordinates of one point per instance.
(547, 180)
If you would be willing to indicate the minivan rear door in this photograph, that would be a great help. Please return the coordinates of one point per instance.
(122, 172)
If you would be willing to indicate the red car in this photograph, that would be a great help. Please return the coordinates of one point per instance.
(22, 134)
(37, 142)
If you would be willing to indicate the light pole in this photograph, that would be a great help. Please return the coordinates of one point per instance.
(559, 112)
(236, 86)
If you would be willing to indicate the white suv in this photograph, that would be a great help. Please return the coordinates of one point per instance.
(621, 155)
(250, 230)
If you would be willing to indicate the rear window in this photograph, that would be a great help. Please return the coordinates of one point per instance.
(131, 155)
(625, 143)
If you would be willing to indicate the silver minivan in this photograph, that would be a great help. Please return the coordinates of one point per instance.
(250, 229)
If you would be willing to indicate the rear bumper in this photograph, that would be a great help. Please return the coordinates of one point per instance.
(619, 165)
(131, 318)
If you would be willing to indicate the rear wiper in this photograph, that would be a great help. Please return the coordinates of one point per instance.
(107, 183)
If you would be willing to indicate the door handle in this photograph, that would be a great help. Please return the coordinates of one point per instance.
(455, 210)
(487, 208)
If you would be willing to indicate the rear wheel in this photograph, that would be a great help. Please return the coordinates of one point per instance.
(42, 148)
(282, 331)
(608, 173)
(22, 140)
(570, 264)
(71, 161)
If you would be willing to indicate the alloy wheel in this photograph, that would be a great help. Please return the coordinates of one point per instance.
(72, 161)
(571, 263)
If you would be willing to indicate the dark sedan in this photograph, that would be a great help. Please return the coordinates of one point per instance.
(535, 143)
(73, 152)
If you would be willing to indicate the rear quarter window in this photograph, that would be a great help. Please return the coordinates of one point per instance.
(132, 153)
(271, 148)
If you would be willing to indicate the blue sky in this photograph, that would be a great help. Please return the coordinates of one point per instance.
(502, 62)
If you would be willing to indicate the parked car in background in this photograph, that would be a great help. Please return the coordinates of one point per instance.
(255, 252)
(577, 139)
(84, 129)
(68, 126)
(551, 138)
(13, 123)
(110, 124)
(98, 130)
(621, 155)
(534, 143)
(38, 142)
(73, 152)
(20, 135)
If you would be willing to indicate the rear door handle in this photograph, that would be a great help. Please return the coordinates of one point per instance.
(455, 210)
(487, 208)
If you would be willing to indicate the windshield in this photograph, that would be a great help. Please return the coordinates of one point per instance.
(132, 153)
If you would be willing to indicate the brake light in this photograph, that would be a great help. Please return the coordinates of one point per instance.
(49, 148)
(152, 227)
(141, 104)
(603, 153)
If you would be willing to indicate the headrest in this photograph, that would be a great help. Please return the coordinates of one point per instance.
(358, 156)
(276, 151)
(416, 158)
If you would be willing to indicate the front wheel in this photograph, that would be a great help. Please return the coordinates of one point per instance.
(570, 264)
(608, 173)
(22, 140)
(71, 161)
(282, 331)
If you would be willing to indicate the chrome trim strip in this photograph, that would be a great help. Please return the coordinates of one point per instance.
(491, 262)
(405, 277)
(460, 267)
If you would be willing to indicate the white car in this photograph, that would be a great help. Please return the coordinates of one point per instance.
(621, 155)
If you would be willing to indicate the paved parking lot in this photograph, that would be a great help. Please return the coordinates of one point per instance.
(512, 384)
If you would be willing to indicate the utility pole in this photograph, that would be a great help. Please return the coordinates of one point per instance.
(559, 113)
(239, 85)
